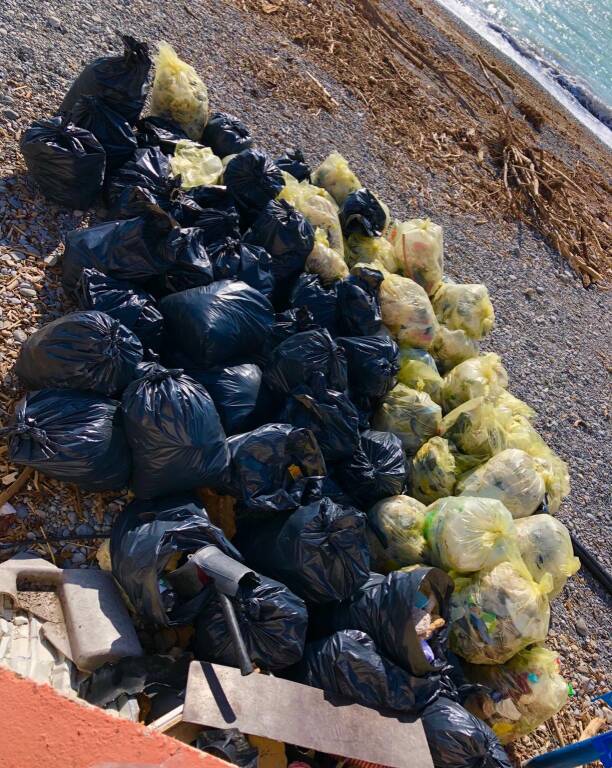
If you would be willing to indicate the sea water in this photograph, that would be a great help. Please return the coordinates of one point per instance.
(565, 44)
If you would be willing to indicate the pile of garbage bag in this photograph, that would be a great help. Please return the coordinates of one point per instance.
(270, 336)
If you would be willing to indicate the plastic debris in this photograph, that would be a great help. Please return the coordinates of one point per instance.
(335, 176)
(196, 165)
(419, 251)
(464, 307)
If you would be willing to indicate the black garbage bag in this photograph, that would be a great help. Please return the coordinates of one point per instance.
(73, 436)
(109, 127)
(212, 196)
(226, 135)
(287, 236)
(156, 131)
(191, 265)
(82, 350)
(457, 739)
(230, 745)
(320, 551)
(376, 470)
(132, 249)
(361, 212)
(275, 468)
(330, 415)
(387, 608)
(252, 179)
(133, 307)
(272, 620)
(218, 224)
(292, 161)
(67, 163)
(174, 431)
(372, 365)
(358, 312)
(218, 323)
(120, 81)
(233, 259)
(144, 543)
(288, 323)
(156, 676)
(300, 357)
(149, 170)
(310, 293)
(348, 665)
(241, 399)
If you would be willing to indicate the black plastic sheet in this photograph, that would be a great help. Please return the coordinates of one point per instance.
(358, 309)
(272, 620)
(362, 213)
(120, 81)
(226, 135)
(253, 179)
(376, 470)
(288, 323)
(82, 350)
(275, 468)
(174, 432)
(67, 163)
(372, 366)
(348, 665)
(109, 127)
(145, 537)
(218, 323)
(300, 358)
(71, 436)
(320, 550)
(132, 249)
(310, 293)
(457, 739)
(133, 307)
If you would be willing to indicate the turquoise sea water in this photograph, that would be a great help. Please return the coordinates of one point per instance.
(565, 44)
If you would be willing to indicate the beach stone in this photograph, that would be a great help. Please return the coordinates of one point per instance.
(20, 335)
(581, 627)
(84, 530)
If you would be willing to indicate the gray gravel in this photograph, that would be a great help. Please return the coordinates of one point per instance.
(552, 334)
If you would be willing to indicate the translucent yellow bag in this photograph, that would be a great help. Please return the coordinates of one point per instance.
(476, 428)
(418, 371)
(324, 261)
(335, 176)
(475, 377)
(468, 534)
(507, 404)
(419, 251)
(546, 548)
(511, 477)
(407, 311)
(317, 206)
(412, 416)
(434, 471)
(449, 348)
(370, 250)
(525, 692)
(179, 93)
(195, 164)
(395, 535)
(466, 307)
(497, 613)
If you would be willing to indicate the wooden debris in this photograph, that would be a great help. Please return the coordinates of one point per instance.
(16, 485)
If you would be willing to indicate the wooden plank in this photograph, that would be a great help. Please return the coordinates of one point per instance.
(262, 705)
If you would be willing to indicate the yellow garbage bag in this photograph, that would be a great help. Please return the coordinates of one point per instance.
(395, 534)
(465, 307)
(546, 548)
(483, 375)
(412, 416)
(370, 250)
(525, 692)
(407, 311)
(469, 534)
(195, 164)
(509, 476)
(506, 403)
(419, 251)
(325, 261)
(418, 371)
(497, 613)
(335, 176)
(179, 93)
(449, 348)
(434, 471)
(476, 428)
